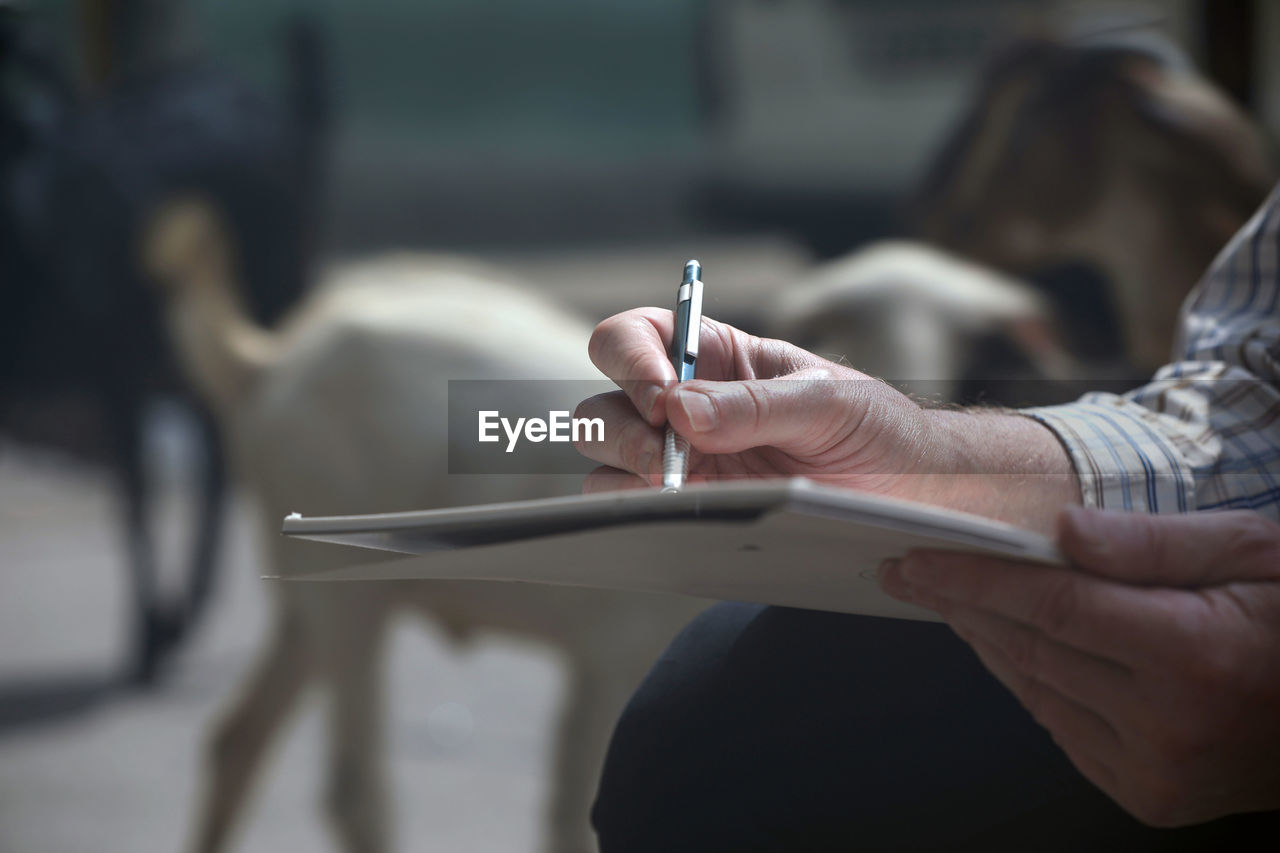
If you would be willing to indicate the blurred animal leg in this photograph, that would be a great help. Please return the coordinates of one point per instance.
(241, 737)
(212, 504)
(154, 627)
(350, 651)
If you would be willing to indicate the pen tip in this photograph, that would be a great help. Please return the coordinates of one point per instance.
(692, 271)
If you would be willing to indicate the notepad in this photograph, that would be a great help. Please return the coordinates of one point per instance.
(791, 542)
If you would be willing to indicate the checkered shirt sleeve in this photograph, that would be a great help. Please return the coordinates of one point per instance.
(1205, 432)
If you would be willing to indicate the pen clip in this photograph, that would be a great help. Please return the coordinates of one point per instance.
(688, 325)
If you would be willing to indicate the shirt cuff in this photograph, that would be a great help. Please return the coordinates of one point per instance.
(1120, 457)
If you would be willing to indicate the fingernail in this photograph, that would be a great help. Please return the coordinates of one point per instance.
(698, 409)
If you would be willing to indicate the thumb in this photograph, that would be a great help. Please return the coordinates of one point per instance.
(794, 414)
(1191, 550)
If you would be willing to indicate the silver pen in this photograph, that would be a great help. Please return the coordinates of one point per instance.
(684, 358)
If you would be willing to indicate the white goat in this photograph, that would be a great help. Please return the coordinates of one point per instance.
(904, 311)
(344, 410)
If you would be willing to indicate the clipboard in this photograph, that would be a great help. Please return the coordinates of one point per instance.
(794, 543)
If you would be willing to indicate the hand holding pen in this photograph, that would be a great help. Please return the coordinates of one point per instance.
(758, 409)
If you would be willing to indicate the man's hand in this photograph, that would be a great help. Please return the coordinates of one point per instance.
(764, 408)
(771, 409)
(1155, 665)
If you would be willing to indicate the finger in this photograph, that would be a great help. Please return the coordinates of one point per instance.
(1191, 550)
(631, 349)
(805, 413)
(629, 443)
(1092, 682)
(606, 479)
(1068, 721)
(1128, 625)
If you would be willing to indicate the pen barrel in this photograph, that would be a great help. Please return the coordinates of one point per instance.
(684, 358)
(680, 342)
(675, 461)
(688, 324)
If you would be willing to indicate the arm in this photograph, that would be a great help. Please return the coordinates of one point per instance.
(1193, 438)
(769, 409)
(1002, 465)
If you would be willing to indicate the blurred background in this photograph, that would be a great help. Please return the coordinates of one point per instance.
(584, 150)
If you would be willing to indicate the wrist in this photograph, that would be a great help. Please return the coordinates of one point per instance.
(1002, 465)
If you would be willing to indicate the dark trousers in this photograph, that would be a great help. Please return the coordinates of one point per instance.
(766, 728)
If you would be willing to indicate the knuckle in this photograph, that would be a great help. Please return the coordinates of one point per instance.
(634, 449)
(586, 448)
(633, 367)
(739, 352)
(1253, 538)
(622, 341)
(592, 406)
(759, 403)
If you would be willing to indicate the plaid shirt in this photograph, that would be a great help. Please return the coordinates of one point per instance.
(1205, 432)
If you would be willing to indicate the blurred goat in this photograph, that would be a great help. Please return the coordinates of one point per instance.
(914, 315)
(1113, 155)
(76, 179)
(1071, 160)
(344, 409)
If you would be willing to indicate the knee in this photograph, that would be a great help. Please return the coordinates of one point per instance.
(656, 789)
(630, 801)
